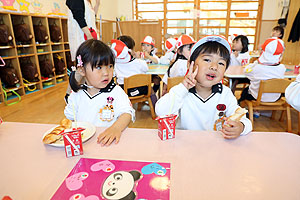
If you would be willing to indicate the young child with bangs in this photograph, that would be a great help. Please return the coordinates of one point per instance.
(99, 100)
(201, 100)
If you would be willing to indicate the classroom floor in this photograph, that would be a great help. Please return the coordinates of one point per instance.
(47, 107)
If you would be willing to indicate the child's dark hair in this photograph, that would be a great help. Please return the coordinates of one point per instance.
(94, 52)
(127, 40)
(244, 41)
(212, 47)
(280, 29)
(179, 56)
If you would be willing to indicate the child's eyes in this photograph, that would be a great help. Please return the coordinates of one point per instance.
(206, 60)
(98, 67)
(220, 63)
(110, 66)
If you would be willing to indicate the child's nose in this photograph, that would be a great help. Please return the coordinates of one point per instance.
(105, 70)
(214, 66)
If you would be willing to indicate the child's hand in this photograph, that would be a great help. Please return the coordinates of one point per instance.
(236, 53)
(108, 136)
(189, 80)
(147, 55)
(232, 131)
(138, 54)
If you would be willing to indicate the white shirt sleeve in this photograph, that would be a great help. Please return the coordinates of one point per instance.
(171, 102)
(292, 94)
(164, 60)
(124, 105)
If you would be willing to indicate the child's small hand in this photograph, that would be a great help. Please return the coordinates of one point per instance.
(108, 136)
(147, 55)
(138, 54)
(232, 131)
(189, 80)
(236, 53)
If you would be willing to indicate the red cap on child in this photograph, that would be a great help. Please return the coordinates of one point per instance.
(272, 50)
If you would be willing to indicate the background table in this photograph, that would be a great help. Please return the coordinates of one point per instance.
(238, 72)
(158, 69)
(203, 164)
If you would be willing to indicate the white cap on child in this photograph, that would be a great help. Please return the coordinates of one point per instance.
(170, 44)
(212, 38)
(121, 51)
(184, 40)
(271, 51)
(148, 40)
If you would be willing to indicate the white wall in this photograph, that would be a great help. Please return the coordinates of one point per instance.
(272, 9)
(125, 9)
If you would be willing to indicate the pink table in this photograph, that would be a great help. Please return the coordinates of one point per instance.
(203, 164)
(238, 72)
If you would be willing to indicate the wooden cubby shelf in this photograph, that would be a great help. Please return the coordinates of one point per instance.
(15, 52)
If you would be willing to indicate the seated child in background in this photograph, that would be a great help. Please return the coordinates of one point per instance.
(278, 32)
(201, 100)
(266, 67)
(169, 57)
(126, 65)
(179, 66)
(99, 101)
(148, 54)
(240, 55)
(148, 50)
(292, 93)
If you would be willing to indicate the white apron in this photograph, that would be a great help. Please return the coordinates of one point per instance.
(76, 35)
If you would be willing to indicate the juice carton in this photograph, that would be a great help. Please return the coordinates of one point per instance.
(296, 70)
(166, 126)
(73, 143)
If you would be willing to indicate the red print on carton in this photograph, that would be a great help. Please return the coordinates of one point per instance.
(166, 126)
(73, 143)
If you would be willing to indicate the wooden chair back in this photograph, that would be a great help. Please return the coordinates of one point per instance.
(172, 81)
(271, 86)
(139, 80)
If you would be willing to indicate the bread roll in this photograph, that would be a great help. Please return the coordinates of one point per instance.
(239, 113)
(66, 123)
(51, 138)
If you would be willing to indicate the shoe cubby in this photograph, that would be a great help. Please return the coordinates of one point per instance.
(16, 52)
(23, 29)
(41, 31)
(64, 23)
(7, 52)
(55, 24)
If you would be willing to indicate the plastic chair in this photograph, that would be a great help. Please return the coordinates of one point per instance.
(139, 80)
(271, 86)
(172, 81)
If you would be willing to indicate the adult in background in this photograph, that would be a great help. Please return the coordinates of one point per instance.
(81, 17)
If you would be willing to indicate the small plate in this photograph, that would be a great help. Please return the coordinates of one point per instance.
(89, 131)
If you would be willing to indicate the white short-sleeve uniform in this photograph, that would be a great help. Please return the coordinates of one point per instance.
(196, 113)
(124, 70)
(87, 108)
(179, 68)
(292, 94)
(166, 59)
(256, 72)
(241, 59)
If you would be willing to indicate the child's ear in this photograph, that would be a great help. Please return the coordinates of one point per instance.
(81, 71)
